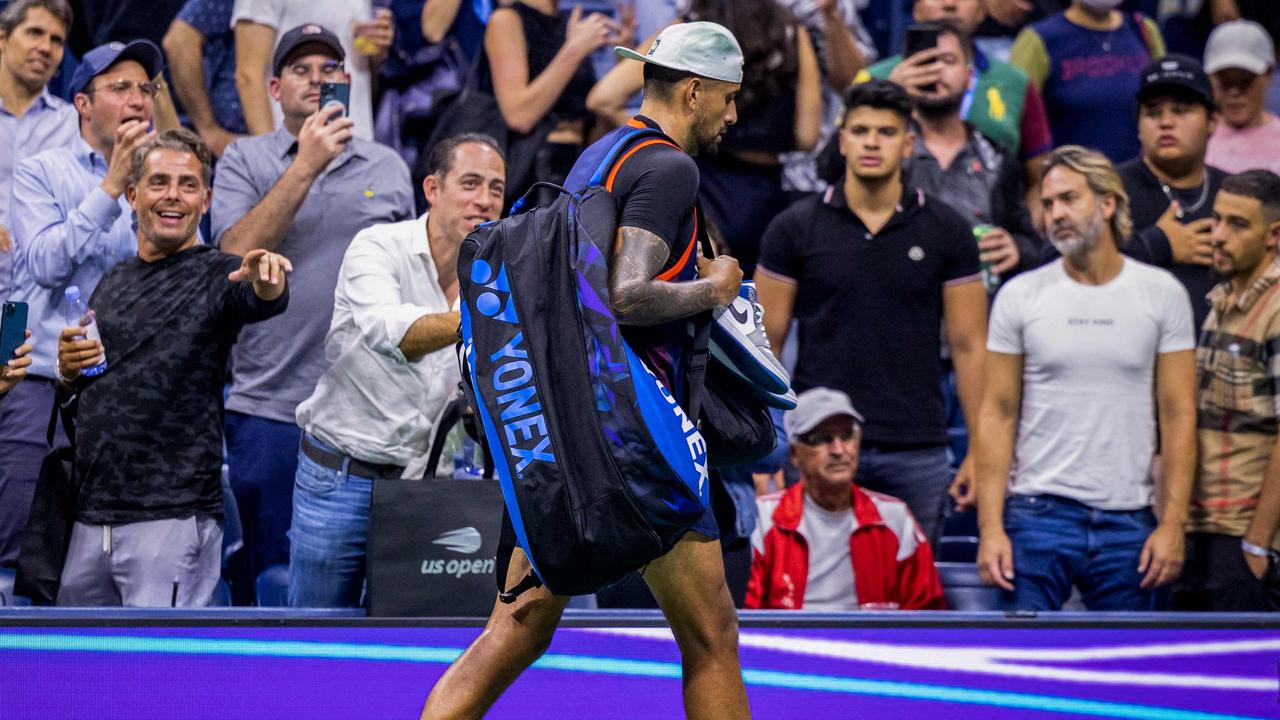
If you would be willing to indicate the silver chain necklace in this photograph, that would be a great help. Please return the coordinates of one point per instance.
(1204, 195)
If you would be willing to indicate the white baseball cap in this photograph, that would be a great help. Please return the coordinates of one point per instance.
(1242, 44)
(703, 48)
(815, 405)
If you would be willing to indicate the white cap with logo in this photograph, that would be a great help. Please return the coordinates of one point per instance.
(1242, 44)
(815, 405)
(702, 48)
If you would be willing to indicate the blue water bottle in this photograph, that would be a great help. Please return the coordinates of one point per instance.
(79, 314)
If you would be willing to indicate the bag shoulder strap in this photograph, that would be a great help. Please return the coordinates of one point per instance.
(635, 135)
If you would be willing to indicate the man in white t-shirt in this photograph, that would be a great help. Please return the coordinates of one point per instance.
(1084, 354)
(826, 544)
(1241, 62)
(365, 36)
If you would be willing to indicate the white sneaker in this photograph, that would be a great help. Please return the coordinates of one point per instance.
(738, 342)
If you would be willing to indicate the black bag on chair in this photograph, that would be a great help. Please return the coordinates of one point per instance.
(53, 514)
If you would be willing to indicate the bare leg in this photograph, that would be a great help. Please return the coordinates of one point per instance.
(688, 583)
(515, 636)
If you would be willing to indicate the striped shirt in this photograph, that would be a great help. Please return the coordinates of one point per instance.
(1237, 404)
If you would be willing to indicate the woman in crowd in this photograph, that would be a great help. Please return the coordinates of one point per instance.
(1086, 61)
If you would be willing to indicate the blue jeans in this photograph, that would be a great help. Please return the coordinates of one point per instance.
(918, 477)
(262, 461)
(1058, 543)
(327, 539)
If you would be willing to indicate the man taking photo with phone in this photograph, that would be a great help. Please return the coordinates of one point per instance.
(304, 191)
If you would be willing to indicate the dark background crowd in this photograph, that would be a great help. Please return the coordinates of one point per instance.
(456, 107)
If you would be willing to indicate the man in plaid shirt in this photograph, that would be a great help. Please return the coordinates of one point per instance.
(1235, 503)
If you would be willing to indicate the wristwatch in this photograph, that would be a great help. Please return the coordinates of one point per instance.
(1254, 550)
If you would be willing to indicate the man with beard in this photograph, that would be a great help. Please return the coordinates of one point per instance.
(1235, 504)
(657, 280)
(956, 163)
(148, 526)
(871, 269)
(1078, 353)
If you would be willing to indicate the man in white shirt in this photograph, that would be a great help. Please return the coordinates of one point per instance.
(826, 544)
(389, 369)
(366, 39)
(1079, 350)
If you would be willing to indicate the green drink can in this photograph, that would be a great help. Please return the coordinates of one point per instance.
(990, 278)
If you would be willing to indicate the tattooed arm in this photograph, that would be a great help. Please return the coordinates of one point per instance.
(640, 299)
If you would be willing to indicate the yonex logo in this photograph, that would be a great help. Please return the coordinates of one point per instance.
(490, 302)
(523, 422)
(463, 540)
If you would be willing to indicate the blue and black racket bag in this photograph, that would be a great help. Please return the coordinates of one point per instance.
(601, 469)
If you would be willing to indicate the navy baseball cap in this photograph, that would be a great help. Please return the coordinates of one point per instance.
(104, 56)
(1178, 74)
(303, 35)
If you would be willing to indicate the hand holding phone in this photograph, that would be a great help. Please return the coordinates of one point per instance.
(336, 92)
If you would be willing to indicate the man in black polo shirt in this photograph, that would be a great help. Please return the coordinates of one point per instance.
(148, 528)
(871, 269)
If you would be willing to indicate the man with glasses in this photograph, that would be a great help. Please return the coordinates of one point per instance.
(71, 222)
(826, 544)
(304, 191)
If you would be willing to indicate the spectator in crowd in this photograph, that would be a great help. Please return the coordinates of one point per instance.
(1083, 355)
(304, 190)
(870, 270)
(462, 20)
(74, 224)
(390, 370)
(956, 163)
(148, 529)
(32, 36)
(1169, 185)
(539, 69)
(365, 37)
(1087, 61)
(843, 48)
(1241, 61)
(1000, 101)
(826, 544)
(15, 369)
(780, 110)
(202, 60)
(1235, 502)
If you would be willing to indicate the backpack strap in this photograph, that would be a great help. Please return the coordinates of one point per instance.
(502, 562)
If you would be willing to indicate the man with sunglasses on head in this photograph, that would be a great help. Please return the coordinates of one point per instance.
(826, 544)
(303, 191)
(70, 223)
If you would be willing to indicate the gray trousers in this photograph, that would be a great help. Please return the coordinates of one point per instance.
(155, 563)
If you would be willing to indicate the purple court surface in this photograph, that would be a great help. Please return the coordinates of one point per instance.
(627, 666)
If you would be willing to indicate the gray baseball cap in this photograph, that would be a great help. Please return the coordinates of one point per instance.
(703, 48)
(1239, 44)
(815, 405)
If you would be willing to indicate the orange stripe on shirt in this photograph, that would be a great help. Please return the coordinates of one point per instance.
(688, 252)
(608, 185)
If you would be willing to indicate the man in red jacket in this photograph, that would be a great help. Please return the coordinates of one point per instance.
(825, 543)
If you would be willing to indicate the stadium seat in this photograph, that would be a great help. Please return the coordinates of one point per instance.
(221, 594)
(956, 549)
(273, 586)
(964, 588)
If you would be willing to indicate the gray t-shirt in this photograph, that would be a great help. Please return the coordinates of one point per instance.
(275, 364)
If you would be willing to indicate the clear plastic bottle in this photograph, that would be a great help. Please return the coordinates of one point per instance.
(78, 313)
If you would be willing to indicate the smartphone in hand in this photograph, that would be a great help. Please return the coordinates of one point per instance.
(918, 39)
(336, 92)
(13, 329)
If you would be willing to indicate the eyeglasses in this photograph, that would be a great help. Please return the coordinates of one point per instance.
(303, 70)
(817, 439)
(125, 88)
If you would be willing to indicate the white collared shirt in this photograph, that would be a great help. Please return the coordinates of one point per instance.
(371, 402)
